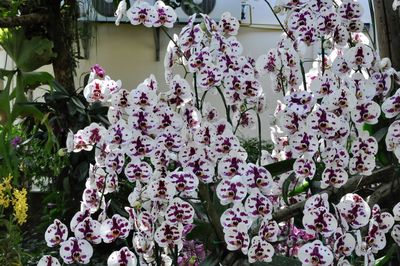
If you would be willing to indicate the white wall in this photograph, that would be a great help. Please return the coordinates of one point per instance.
(128, 53)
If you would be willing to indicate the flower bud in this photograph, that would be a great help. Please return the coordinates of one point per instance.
(61, 152)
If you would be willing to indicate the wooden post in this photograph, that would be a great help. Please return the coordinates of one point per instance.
(388, 31)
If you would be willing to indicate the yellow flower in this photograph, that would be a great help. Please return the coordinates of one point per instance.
(5, 189)
(20, 205)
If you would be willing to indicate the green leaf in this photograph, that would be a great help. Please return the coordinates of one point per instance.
(201, 231)
(299, 189)
(204, 233)
(385, 259)
(213, 259)
(280, 167)
(5, 97)
(28, 54)
(35, 79)
(81, 170)
(285, 187)
(77, 102)
(380, 134)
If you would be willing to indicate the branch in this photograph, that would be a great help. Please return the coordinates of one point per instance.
(23, 20)
(355, 183)
(383, 192)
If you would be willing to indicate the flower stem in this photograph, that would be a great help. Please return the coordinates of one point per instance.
(279, 21)
(196, 90)
(323, 55)
(259, 138)
(227, 110)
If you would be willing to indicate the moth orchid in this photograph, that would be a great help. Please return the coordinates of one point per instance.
(383, 220)
(392, 139)
(396, 212)
(161, 190)
(391, 106)
(317, 202)
(209, 77)
(56, 233)
(231, 190)
(350, 10)
(260, 250)
(185, 182)
(115, 161)
(180, 211)
(269, 230)
(382, 83)
(259, 177)
(304, 167)
(354, 210)
(91, 198)
(396, 233)
(142, 13)
(344, 245)
(320, 222)
(76, 251)
(48, 260)
(228, 24)
(88, 229)
(114, 227)
(237, 238)
(334, 177)
(315, 254)
(122, 257)
(303, 143)
(366, 112)
(323, 85)
(258, 205)
(165, 15)
(232, 165)
(142, 121)
(362, 163)
(269, 63)
(179, 92)
(199, 59)
(365, 143)
(201, 167)
(300, 102)
(190, 35)
(169, 235)
(140, 146)
(335, 155)
(235, 216)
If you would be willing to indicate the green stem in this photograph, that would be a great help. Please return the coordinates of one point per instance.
(323, 55)
(227, 110)
(176, 255)
(303, 73)
(210, 211)
(259, 139)
(102, 192)
(196, 90)
(157, 251)
(176, 44)
(203, 97)
(240, 118)
(279, 21)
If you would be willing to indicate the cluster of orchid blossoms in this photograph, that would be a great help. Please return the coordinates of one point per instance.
(141, 12)
(174, 148)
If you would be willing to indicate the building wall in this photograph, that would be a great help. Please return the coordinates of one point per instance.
(128, 53)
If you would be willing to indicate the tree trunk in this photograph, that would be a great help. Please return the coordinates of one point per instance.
(61, 33)
(388, 31)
